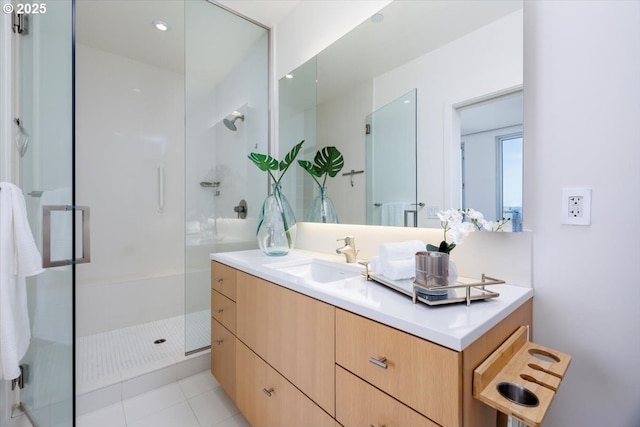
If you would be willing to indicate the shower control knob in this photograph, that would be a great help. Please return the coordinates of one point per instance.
(241, 209)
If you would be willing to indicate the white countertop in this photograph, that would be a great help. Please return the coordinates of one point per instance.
(455, 326)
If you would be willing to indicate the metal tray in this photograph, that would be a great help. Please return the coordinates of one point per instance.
(464, 290)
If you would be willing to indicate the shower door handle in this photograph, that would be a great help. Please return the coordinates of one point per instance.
(160, 169)
(66, 239)
(413, 212)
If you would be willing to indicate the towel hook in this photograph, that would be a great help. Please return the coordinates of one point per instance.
(22, 135)
(351, 173)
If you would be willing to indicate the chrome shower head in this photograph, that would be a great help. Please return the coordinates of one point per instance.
(231, 124)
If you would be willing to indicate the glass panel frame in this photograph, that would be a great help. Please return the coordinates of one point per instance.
(219, 175)
(45, 105)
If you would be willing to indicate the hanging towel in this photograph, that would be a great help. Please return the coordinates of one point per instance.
(393, 213)
(19, 258)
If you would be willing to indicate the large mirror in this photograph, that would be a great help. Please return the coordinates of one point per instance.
(463, 60)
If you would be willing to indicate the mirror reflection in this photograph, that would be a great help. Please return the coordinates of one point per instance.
(455, 56)
(390, 146)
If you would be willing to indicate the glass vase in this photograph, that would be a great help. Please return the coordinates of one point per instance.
(322, 209)
(276, 224)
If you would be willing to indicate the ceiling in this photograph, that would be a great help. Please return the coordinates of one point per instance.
(409, 29)
(217, 38)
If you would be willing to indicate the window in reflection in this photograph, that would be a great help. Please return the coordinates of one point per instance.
(510, 197)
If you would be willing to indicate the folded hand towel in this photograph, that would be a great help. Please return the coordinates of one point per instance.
(400, 250)
(399, 269)
(375, 265)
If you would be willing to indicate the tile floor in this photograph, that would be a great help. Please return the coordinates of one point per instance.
(196, 401)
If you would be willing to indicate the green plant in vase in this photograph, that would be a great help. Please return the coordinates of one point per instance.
(327, 162)
(276, 231)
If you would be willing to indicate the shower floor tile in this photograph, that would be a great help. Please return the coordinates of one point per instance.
(114, 356)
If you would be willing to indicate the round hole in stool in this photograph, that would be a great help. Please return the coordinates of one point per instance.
(518, 394)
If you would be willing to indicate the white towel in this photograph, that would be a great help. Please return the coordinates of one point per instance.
(400, 269)
(19, 258)
(375, 265)
(400, 250)
(393, 213)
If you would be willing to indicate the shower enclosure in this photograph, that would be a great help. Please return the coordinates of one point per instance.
(143, 142)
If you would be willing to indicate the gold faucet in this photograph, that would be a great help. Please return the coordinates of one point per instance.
(349, 248)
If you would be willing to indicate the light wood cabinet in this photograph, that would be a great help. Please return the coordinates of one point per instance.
(417, 372)
(360, 404)
(292, 332)
(287, 359)
(223, 357)
(223, 310)
(223, 279)
(223, 325)
(267, 399)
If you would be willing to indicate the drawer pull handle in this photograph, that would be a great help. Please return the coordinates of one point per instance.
(219, 310)
(268, 391)
(218, 280)
(380, 361)
(219, 342)
(383, 425)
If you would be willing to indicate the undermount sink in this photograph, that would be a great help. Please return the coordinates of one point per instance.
(335, 278)
(318, 271)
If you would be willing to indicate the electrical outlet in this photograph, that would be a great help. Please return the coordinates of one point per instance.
(576, 206)
(432, 212)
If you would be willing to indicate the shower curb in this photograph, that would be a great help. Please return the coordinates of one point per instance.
(126, 388)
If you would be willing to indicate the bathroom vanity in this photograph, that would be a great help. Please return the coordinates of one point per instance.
(294, 352)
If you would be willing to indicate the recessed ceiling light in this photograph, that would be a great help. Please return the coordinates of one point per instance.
(378, 17)
(161, 25)
(289, 76)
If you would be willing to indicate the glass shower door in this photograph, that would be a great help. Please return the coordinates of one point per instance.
(44, 106)
(391, 163)
(223, 80)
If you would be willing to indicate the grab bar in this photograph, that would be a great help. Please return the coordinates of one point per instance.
(160, 188)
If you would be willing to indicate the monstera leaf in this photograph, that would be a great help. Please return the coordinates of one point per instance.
(266, 163)
(328, 161)
(290, 157)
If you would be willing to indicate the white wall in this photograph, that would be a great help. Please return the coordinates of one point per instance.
(582, 127)
(582, 64)
(117, 150)
(129, 120)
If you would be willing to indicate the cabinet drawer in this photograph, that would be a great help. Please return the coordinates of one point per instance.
(361, 404)
(223, 357)
(423, 375)
(223, 279)
(267, 399)
(223, 310)
(292, 332)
